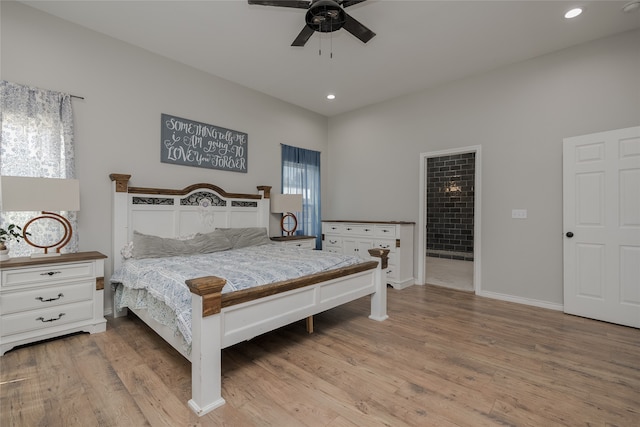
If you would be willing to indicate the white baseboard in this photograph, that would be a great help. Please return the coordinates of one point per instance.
(521, 300)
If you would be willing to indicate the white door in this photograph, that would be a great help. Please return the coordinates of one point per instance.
(602, 226)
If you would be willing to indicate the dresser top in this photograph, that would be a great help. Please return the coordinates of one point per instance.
(26, 261)
(369, 222)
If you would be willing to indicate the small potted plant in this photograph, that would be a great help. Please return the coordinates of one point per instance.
(7, 234)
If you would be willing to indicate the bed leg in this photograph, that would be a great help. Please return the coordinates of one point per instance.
(206, 366)
(379, 298)
(310, 324)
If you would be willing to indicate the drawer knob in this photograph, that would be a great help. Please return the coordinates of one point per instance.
(60, 295)
(50, 273)
(367, 229)
(42, 319)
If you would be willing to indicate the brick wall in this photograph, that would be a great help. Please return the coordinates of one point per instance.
(450, 192)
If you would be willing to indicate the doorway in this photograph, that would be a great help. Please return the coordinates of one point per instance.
(449, 220)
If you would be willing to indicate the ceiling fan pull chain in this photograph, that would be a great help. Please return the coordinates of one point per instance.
(331, 41)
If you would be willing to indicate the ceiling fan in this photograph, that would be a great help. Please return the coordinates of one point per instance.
(324, 16)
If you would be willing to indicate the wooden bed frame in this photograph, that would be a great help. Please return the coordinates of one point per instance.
(221, 320)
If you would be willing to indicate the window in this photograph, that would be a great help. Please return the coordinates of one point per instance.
(36, 140)
(301, 175)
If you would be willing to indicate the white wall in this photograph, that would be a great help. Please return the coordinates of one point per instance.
(117, 126)
(519, 115)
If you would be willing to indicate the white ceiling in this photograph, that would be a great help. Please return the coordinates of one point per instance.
(419, 44)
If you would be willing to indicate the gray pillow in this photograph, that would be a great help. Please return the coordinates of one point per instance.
(248, 236)
(148, 246)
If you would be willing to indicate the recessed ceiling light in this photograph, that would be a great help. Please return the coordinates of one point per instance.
(331, 96)
(573, 13)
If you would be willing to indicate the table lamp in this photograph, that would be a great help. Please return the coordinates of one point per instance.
(287, 204)
(46, 195)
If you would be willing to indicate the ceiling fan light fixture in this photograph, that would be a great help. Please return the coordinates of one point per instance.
(331, 97)
(325, 16)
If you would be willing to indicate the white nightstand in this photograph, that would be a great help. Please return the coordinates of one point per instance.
(47, 297)
(306, 242)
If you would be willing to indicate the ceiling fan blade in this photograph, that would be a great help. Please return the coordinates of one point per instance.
(298, 4)
(304, 35)
(347, 3)
(357, 29)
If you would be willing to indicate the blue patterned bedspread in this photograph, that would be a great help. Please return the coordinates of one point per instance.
(147, 283)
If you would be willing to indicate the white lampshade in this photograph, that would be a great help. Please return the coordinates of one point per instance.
(20, 193)
(283, 203)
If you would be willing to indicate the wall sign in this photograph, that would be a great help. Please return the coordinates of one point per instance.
(189, 143)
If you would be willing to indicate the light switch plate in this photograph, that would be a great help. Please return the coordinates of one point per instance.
(519, 213)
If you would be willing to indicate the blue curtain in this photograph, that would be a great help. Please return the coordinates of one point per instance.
(301, 175)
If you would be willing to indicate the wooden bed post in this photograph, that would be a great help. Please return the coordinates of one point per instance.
(120, 184)
(264, 210)
(379, 298)
(206, 363)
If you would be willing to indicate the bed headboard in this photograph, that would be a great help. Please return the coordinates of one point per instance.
(173, 213)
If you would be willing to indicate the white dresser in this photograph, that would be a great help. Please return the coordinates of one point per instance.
(356, 237)
(42, 298)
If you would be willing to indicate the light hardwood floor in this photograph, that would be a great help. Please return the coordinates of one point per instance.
(444, 358)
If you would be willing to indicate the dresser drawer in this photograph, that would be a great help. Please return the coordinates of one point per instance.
(358, 229)
(332, 241)
(46, 318)
(385, 244)
(331, 227)
(12, 302)
(387, 231)
(53, 273)
(392, 272)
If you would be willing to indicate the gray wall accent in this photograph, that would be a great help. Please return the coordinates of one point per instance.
(519, 115)
(128, 88)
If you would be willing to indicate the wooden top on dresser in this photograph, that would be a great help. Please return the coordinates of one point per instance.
(369, 222)
(52, 259)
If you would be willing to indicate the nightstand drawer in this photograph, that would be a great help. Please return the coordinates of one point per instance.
(12, 302)
(46, 274)
(304, 244)
(46, 318)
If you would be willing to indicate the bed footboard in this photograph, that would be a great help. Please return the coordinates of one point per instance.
(218, 323)
(206, 365)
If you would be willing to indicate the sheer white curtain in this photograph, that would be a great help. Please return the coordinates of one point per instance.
(36, 141)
